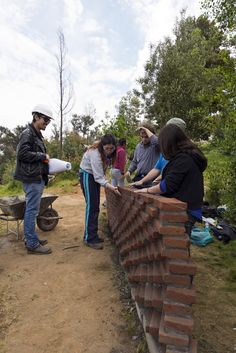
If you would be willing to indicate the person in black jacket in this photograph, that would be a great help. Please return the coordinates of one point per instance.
(32, 171)
(182, 177)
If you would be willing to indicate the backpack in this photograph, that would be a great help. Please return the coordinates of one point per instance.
(225, 232)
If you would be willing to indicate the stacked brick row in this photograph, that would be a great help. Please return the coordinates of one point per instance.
(154, 251)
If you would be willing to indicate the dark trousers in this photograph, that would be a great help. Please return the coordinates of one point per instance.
(91, 191)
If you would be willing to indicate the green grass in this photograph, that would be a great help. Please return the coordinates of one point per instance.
(57, 185)
(10, 189)
(221, 258)
(216, 296)
(66, 186)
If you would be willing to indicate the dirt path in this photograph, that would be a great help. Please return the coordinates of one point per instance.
(64, 302)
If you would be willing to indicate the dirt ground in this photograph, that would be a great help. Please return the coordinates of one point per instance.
(65, 302)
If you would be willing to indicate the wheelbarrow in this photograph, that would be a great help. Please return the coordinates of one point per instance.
(13, 208)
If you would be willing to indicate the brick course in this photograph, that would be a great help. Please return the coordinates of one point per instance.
(154, 250)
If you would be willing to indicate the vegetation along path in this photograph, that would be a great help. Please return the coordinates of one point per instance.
(65, 302)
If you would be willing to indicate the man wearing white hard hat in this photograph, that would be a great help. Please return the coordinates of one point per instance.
(32, 171)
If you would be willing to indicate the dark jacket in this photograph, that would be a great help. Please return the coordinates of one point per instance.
(183, 178)
(31, 152)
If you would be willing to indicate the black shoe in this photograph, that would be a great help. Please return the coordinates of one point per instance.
(39, 250)
(43, 241)
(96, 246)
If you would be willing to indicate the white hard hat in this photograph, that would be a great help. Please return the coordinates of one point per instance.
(43, 109)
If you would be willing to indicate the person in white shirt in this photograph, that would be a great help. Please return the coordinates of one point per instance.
(92, 176)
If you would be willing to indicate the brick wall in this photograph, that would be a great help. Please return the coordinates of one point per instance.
(154, 251)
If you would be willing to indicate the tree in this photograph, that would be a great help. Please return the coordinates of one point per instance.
(82, 123)
(222, 11)
(222, 182)
(184, 77)
(65, 86)
(8, 144)
(124, 124)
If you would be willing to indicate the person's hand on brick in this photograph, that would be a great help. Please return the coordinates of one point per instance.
(113, 189)
(137, 183)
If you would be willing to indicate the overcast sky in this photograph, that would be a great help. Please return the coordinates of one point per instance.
(107, 43)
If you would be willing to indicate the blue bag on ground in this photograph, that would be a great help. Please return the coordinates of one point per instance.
(201, 237)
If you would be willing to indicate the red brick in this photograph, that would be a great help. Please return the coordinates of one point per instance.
(150, 273)
(168, 204)
(173, 217)
(180, 280)
(175, 253)
(157, 297)
(182, 295)
(157, 274)
(171, 337)
(148, 295)
(152, 231)
(178, 323)
(153, 327)
(133, 275)
(171, 230)
(176, 308)
(143, 274)
(181, 242)
(139, 201)
(152, 211)
(153, 252)
(182, 267)
(140, 294)
(144, 216)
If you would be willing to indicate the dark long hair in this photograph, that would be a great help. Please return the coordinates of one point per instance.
(172, 140)
(105, 140)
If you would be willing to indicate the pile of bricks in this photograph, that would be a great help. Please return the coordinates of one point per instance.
(154, 251)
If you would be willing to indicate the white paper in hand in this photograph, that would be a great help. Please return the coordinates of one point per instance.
(58, 166)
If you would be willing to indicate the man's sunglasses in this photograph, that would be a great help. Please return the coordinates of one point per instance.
(45, 118)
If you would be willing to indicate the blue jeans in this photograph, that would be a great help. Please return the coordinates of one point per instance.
(33, 193)
(116, 177)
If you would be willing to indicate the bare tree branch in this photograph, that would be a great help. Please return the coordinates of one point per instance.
(66, 92)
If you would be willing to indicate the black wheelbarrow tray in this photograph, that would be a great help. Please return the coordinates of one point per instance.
(13, 208)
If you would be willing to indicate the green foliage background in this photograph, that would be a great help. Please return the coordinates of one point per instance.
(192, 77)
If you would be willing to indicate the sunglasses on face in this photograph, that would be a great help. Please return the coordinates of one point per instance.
(45, 118)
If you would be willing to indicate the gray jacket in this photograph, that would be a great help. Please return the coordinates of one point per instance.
(92, 164)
